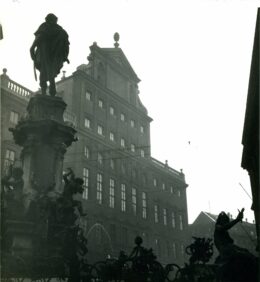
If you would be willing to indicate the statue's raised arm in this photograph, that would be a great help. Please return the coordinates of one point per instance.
(49, 51)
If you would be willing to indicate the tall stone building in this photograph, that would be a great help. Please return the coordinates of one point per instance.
(126, 191)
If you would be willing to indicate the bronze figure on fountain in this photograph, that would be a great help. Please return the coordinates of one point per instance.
(49, 51)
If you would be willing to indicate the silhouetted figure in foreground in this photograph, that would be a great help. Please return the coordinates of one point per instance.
(235, 263)
(49, 51)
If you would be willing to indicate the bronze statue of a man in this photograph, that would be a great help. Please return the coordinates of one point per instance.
(49, 51)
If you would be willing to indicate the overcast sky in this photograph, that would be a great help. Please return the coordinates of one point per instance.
(193, 59)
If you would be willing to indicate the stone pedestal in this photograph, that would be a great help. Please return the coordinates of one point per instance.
(44, 138)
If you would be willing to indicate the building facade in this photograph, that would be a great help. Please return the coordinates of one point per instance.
(126, 192)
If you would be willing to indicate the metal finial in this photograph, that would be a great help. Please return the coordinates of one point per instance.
(116, 38)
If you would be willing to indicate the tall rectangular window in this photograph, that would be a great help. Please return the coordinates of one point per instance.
(181, 222)
(182, 250)
(100, 158)
(134, 200)
(100, 103)
(142, 153)
(142, 129)
(122, 142)
(112, 111)
(112, 136)
(111, 193)
(86, 152)
(132, 148)
(163, 186)
(100, 130)
(123, 198)
(164, 216)
(112, 164)
(86, 183)
(9, 158)
(122, 117)
(174, 250)
(173, 220)
(132, 123)
(14, 117)
(87, 123)
(154, 182)
(156, 216)
(144, 205)
(88, 96)
(99, 188)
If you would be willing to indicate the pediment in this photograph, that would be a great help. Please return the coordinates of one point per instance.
(117, 56)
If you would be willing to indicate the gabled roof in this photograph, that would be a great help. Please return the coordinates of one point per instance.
(211, 216)
(205, 218)
(117, 56)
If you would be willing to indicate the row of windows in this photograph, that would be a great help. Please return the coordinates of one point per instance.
(100, 160)
(100, 129)
(123, 199)
(172, 190)
(100, 157)
(112, 111)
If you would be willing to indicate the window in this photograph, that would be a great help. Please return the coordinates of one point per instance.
(111, 193)
(164, 216)
(100, 159)
(122, 142)
(179, 193)
(163, 186)
(112, 111)
(144, 205)
(156, 217)
(99, 188)
(134, 200)
(122, 117)
(112, 136)
(171, 190)
(87, 123)
(100, 130)
(182, 250)
(88, 96)
(9, 158)
(123, 198)
(123, 168)
(181, 222)
(86, 183)
(154, 182)
(142, 153)
(173, 220)
(158, 248)
(14, 117)
(112, 164)
(132, 123)
(132, 148)
(100, 103)
(142, 129)
(174, 250)
(86, 151)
